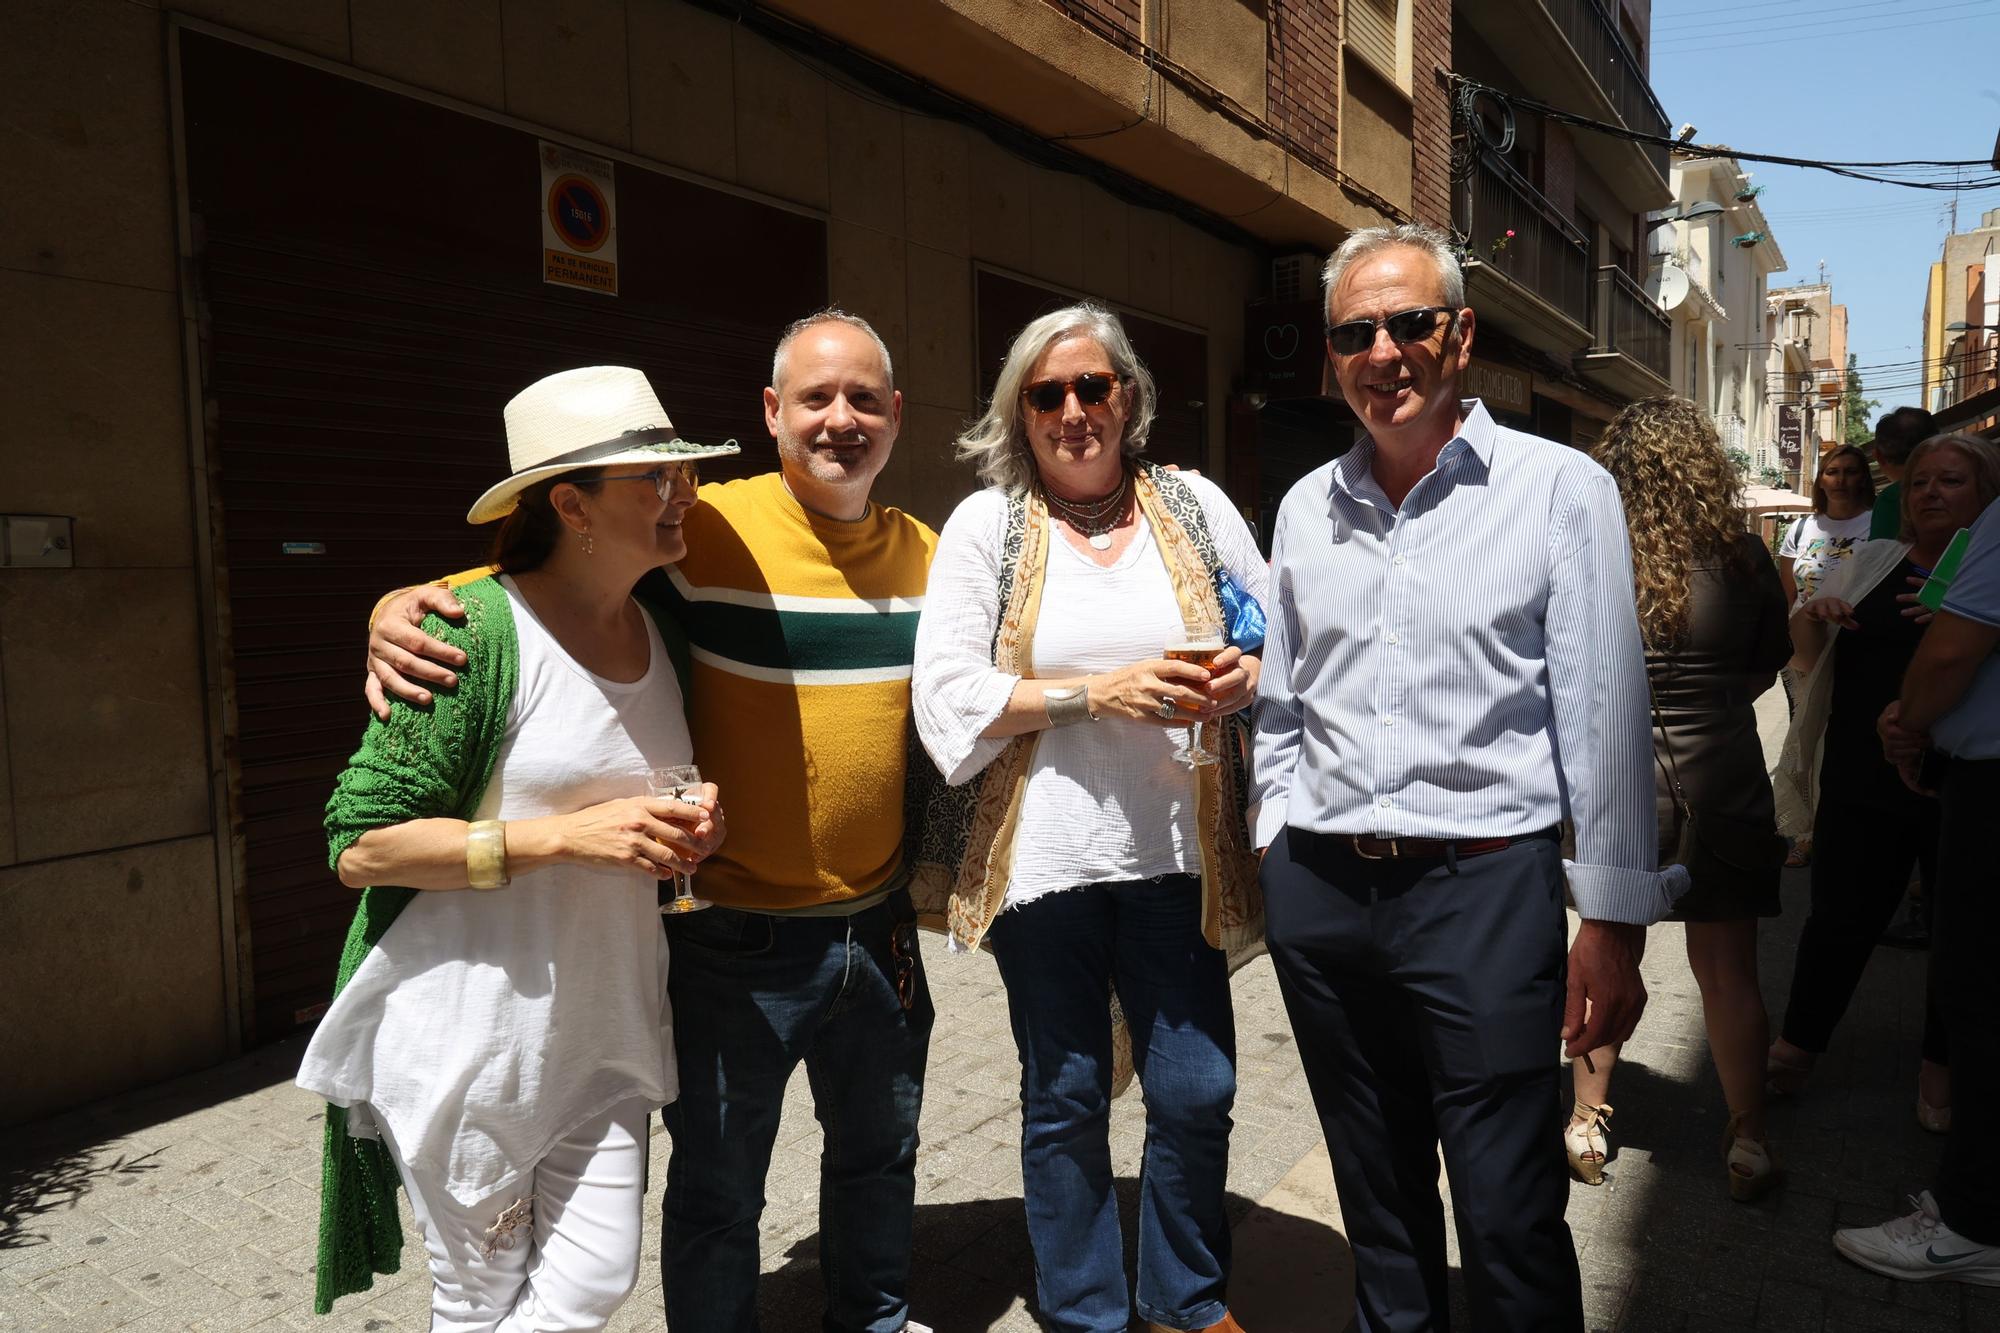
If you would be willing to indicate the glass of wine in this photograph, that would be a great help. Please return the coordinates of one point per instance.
(677, 782)
(1201, 643)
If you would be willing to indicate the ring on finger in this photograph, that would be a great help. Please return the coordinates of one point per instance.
(1165, 708)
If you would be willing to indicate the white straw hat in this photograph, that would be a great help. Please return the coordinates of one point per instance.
(594, 416)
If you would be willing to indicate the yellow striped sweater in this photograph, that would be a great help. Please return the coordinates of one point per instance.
(802, 631)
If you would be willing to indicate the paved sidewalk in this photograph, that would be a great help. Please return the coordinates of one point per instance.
(191, 1205)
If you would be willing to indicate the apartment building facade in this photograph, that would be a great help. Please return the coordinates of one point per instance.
(1961, 336)
(1555, 217)
(1711, 265)
(1806, 375)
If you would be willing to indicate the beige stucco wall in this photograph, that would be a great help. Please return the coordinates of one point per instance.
(115, 927)
(111, 947)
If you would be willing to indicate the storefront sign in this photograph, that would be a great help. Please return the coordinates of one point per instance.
(1791, 435)
(1284, 348)
(579, 229)
(1503, 388)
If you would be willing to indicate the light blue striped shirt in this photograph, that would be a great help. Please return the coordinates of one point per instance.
(1468, 666)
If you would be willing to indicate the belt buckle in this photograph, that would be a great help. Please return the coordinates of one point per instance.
(1394, 851)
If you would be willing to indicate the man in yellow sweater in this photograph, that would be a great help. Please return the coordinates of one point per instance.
(800, 600)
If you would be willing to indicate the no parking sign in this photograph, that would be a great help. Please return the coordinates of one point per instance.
(579, 231)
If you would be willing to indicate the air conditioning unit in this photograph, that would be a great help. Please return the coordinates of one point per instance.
(1295, 277)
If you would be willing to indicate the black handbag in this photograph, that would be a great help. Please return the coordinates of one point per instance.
(1711, 844)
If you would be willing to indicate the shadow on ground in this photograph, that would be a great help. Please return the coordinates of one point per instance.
(50, 1166)
(974, 1263)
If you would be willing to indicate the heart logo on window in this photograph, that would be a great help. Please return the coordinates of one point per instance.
(1280, 341)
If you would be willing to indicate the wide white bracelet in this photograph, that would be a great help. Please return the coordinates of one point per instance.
(486, 854)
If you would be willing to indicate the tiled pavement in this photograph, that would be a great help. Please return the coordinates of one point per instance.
(191, 1205)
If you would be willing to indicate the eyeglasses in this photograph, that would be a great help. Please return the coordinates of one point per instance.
(1405, 326)
(663, 478)
(1091, 390)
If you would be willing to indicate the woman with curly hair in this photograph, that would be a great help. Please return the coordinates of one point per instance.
(1713, 614)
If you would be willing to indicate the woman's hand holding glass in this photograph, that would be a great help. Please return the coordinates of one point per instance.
(1157, 690)
(654, 834)
(1232, 683)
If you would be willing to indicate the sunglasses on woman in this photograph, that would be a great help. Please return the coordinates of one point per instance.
(1405, 326)
(663, 478)
(1091, 390)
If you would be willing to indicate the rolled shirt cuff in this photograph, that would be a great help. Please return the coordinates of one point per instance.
(1613, 893)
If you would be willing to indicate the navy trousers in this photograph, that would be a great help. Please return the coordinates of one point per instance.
(1966, 992)
(1426, 996)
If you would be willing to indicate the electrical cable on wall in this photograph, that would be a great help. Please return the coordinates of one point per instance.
(1468, 90)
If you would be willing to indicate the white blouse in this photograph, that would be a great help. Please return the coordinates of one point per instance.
(486, 1025)
(1105, 801)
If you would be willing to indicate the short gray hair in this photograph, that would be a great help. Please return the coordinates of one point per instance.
(833, 314)
(997, 444)
(1371, 241)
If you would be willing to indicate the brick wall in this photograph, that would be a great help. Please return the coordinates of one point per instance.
(1302, 97)
(1430, 129)
(1122, 15)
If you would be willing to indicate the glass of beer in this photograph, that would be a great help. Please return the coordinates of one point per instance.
(678, 782)
(1201, 643)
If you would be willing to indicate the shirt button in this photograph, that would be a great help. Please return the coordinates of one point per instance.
(1383, 802)
(1388, 721)
(1394, 638)
(1399, 560)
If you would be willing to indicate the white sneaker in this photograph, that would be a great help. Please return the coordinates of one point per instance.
(914, 1327)
(1920, 1248)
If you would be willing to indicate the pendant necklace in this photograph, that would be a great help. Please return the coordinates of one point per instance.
(1093, 519)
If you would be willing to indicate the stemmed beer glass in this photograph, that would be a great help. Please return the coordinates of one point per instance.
(1201, 643)
(678, 782)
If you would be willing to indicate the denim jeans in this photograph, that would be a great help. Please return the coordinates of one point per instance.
(1060, 956)
(754, 995)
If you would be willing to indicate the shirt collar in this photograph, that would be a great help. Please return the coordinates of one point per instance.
(1352, 471)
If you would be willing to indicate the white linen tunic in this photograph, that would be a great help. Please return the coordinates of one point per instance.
(486, 1025)
(1105, 801)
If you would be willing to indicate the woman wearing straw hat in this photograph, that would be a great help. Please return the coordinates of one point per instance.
(500, 1028)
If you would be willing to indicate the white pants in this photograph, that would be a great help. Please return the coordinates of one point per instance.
(564, 1260)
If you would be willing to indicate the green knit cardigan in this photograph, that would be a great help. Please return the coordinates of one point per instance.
(423, 763)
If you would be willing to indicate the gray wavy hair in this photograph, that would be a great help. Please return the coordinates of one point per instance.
(1371, 241)
(997, 443)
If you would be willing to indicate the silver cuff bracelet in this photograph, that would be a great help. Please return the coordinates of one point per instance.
(1068, 707)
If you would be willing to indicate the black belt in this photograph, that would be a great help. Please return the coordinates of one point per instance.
(1371, 848)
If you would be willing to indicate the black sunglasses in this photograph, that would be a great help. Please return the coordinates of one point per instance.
(1090, 390)
(1405, 326)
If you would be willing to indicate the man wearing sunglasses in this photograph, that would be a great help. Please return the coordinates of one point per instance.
(1453, 671)
(800, 598)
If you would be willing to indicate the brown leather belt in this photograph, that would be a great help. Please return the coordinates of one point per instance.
(1411, 849)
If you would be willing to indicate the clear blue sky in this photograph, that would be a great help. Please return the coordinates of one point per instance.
(1856, 80)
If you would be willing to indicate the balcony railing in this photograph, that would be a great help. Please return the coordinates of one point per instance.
(1597, 40)
(1547, 254)
(1628, 321)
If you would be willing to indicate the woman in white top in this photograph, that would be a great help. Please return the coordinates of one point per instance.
(1843, 509)
(1100, 858)
(500, 1030)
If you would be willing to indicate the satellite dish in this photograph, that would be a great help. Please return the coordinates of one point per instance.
(1673, 286)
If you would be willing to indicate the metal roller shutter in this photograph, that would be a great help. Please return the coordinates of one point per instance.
(354, 379)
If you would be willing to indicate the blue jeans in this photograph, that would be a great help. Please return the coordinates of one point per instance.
(1060, 956)
(754, 995)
